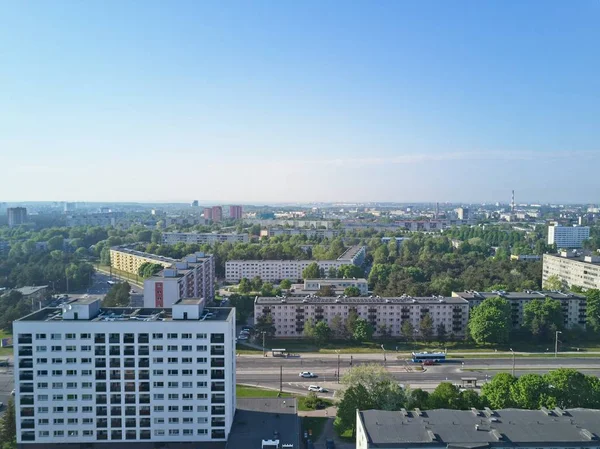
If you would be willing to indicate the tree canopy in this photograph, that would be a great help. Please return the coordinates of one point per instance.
(490, 322)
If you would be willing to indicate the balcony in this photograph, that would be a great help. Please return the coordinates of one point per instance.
(144, 411)
(116, 422)
(129, 363)
(217, 422)
(145, 422)
(115, 398)
(217, 338)
(143, 350)
(130, 399)
(99, 350)
(217, 410)
(143, 374)
(25, 339)
(100, 363)
(102, 435)
(26, 388)
(217, 374)
(144, 434)
(101, 423)
(27, 424)
(144, 363)
(144, 399)
(115, 387)
(101, 411)
(26, 363)
(114, 339)
(128, 339)
(26, 400)
(144, 386)
(130, 387)
(99, 339)
(217, 386)
(115, 375)
(26, 375)
(115, 363)
(130, 422)
(115, 411)
(115, 351)
(143, 339)
(217, 363)
(25, 351)
(217, 350)
(101, 399)
(129, 375)
(27, 411)
(130, 411)
(218, 399)
(28, 436)
(129, 351)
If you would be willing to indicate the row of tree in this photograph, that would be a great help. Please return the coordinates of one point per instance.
(372, 387)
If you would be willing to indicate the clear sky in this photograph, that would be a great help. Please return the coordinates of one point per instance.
(300, 100)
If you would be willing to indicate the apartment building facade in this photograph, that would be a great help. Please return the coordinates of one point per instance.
(573, 306)
(16, 216)
(582, 270)
(289, 314)
(567, 236)
(311, 286)
(130, 261)
(173, 238)
(91, 377)
(191, 277)
(277, 270)
(309, 232)
(235, 212)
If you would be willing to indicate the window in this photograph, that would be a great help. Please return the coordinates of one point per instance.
(87, 409)
(56, 361)
(88, 433)
(201, 348)
(201, 384)
(187, 384)
(173, 372)
(159, 420)
(173, 384)
(186, 348)
(158, 372)
(57, 385)
(42, 397)
(188, 431)
(202, 420)
(158, 384)
(42, 385)
(186, 372)
(188, 420)
(173, 420)
(41, 361)
(157, 360)
(72, 421)
(71, 397)
(172, 348)
(59, 421)
(159, 396)
(86, 360)
(173, 408)
(157, 347)
(59, 433)
(85, 336)
(186, 360)
(86, 348)
(71, 409)
(57, 372)
(71, 384)
(55, 336)
(71, 372)
(201, 396)
(159, 408)
(70, 336)
(187, 396)
(202, 431)
(42, 409)
(40, 348)
(187, 408)
(71, 360)
(201, 336)
(157, 336)
(201, 372)
(40, 336)
(159, 432)
(85, 372)
(42, 372)
(201, 360)
(56, 348)
(186, 336)
(43, 433)
(172, 359)
(202, 408)
(86, 397)
(173, 397)
(71, 348)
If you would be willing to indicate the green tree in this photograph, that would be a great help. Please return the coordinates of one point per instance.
(352, 291)
(407, 330)
(470, 399)
(553, 283)
(351, 321)
(256, 283)
(379, 276)
(350, 271)
(426, 327)
(593, 309)
(530, 391)
(441, 332)
(446, 395)
(490, 321)
(56, 243)
(418, 398)
(363, 330)
(497, 391)
(569, 388)
(149, 269)
(267, 289)
(312, 271)
(543, 318)
(338, 330)
(245, 286)
(144, 236)
(326, 291)
(322, 333)
(286, 284)
(264, 323)
(8, 424)
(355, 397)
(118, 295)
(370, 375)
(309, 328)
(312, 400)
(244, 307)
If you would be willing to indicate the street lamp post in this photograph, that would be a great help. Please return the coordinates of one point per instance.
(556, 343)
(263, 334)
(513, 366)
(338, 366)
(384, 359)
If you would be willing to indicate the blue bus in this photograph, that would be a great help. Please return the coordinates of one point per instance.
(432, 357)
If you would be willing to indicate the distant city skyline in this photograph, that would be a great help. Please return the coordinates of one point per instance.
(270, 102)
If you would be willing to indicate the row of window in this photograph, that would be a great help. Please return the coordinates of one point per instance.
(117, 434)
(116, 338)
(116, 350)
(156, 409)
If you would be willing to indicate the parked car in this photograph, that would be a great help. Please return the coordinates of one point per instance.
(243, 337)
(12, 393)
(307, 374)
(329, 444)
(317, 389)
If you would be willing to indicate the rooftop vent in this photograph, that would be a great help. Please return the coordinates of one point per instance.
(475, 411)
(546, 411)
(589, 435)
(419, 412)
(497, 435)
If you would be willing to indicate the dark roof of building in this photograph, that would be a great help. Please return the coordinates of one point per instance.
(309, 299)
(528, 294)
(258, 419)
(26, 291)
(479, 429)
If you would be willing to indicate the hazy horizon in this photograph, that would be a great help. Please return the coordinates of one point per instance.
(266, 102)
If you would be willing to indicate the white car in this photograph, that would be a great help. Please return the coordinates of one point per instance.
(317, 389)
(307, 374)
(243, 337)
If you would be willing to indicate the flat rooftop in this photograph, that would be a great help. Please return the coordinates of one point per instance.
(469, 429)
(309, 299)
(351, 252)
(474, 295)
(26, 291)
(334, 280)
(579, 258)
(143, 254)
(111, 314)
(258, 419)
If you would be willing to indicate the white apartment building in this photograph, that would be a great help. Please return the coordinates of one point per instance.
(311, 286)
(173, 238)
(93, 377)
(277, 270)
(191, 277)
(567, 236)
(289, 314)
(573, 305)
(309, 232)
(573, 269)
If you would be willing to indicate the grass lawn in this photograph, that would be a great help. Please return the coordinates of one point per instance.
(347, 436)
(314, 426)
(302, 403)
(244, 391)
(121, 274)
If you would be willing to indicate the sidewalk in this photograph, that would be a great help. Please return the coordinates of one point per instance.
(394, 356)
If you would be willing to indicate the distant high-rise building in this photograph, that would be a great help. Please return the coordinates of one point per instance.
(217, 213)
(512, 202)
(567, 236)
(463, 213)
(208, 213)
(195, 203)
(69, 207)
(235, 212)
(16, 216)
(3, 207)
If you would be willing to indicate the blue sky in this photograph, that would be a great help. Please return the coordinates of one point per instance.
(262, 102)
